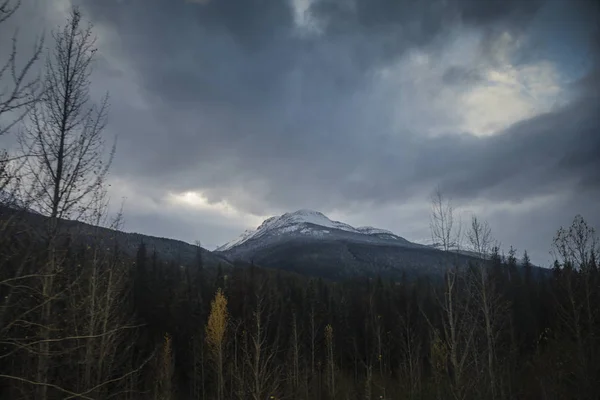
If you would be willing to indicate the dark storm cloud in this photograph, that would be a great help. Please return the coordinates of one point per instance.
(243, 52)
(424, 17)
(232, 99)
(244, 105)
(396, 25)
(554, 151)
(224, 52)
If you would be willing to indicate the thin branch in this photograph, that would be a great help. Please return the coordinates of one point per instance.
(72, 394)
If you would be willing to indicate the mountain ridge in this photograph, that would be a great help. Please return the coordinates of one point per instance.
(307, 241)
(291, 242)
(169, 249)
(304, 221)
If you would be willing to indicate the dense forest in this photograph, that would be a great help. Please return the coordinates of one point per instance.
(86, 320)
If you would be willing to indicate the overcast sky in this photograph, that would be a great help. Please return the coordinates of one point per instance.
(230, 111)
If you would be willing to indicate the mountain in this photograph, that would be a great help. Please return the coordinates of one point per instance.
(128, 242)
(307, 224)
(308, 242)
(305, 242)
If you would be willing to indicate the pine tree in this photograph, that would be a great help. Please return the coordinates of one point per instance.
(526, 263)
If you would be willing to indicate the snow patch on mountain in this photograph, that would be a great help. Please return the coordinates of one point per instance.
(306, 222)
(241, 239)
(369, 230)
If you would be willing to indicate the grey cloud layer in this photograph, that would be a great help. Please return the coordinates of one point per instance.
(242, 107)
(237, 86)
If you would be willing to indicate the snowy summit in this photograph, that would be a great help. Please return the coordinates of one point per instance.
(304, 222)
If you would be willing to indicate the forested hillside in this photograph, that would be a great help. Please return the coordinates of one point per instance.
(104, 325)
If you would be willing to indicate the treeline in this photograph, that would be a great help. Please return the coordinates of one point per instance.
(87, 322)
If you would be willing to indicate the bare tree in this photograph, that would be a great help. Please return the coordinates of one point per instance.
(458, 327)
(575, 249)
(94, 325)
(62, 146)
(480, 238)
(488, 299)
(263, 379)
(576, 245)
(99, 306)
(20, 86)
(445, 232)
(63, 134)
(19, 90)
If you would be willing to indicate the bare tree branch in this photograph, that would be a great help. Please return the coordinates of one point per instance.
(22, 89)
(63, 134)
(50, 385)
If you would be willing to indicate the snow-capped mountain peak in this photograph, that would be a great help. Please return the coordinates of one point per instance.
(305, 223)
(312, 217)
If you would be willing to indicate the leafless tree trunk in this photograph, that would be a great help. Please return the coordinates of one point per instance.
(330, 361)
(313, 338)
(198, 367)
(459, 330)
(99, 308)
(48, 292)
(264, 377)
(490, 303)
(458, 324)
(238, 384)
(368, 382)
(410, 343)
(295, 345)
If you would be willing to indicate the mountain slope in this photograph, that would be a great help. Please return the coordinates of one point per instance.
(168, 249)
(308, 224)
(308, 242)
